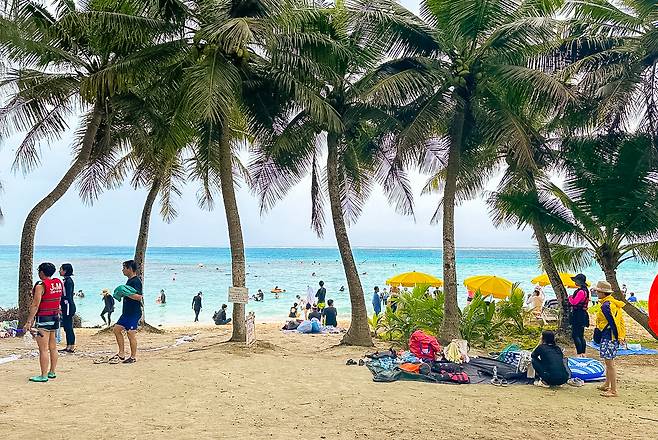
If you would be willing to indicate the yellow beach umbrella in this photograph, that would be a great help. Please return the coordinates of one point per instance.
(489, 285)
(543, 280)
(411, 279)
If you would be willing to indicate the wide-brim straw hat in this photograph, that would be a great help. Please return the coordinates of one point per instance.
(105, 292)
(603, 287)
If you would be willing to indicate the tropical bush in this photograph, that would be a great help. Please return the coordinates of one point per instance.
(481, 322)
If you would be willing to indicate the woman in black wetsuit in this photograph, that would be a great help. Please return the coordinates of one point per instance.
(68, 307)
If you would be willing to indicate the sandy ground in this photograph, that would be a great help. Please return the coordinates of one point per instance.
(292, 386)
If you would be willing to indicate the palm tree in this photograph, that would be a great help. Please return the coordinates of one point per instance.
(359, 151)
(519, 199)
(70, 60)
(617, 56)
(227, 83)
(607, 211)
(455, 87)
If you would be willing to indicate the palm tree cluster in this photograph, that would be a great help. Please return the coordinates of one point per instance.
(354, 93)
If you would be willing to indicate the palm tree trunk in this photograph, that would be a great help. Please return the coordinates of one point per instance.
(450, 325)
(359, 331)
(30, 226)
(143, 237)
(234, 235)
(564, 326)
(632, 311)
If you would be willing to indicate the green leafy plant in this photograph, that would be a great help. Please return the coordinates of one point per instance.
(510, 310)
(477, 323)
(416, 310)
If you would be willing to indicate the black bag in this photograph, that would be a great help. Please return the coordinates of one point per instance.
(598, 334)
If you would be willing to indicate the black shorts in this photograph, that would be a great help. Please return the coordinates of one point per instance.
(50, 323)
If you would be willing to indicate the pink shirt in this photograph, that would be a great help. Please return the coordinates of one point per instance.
(580, 299)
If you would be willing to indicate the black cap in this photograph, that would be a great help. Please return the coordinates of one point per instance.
(580, 279)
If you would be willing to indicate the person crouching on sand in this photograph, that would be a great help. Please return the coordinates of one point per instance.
(130, 315)
(549, 363)
(220, 316)
(44, 313)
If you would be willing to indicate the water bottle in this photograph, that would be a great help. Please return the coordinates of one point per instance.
(28, 340)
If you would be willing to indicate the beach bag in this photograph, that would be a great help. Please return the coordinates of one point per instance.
(305, 327)
(598, 334)
(315, 326)
(411, 368)
(424, 346)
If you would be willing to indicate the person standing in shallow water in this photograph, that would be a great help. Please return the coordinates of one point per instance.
(197, 306)
(108, 306)
(579, 301)
(68, 307)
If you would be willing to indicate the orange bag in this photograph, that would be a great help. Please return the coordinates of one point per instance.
(411, 368)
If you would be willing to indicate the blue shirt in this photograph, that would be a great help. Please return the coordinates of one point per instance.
(376, 303)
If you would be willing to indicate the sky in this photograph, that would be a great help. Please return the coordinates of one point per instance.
(114, 218)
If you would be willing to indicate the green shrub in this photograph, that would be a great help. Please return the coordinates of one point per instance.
(510, 310)
(477, 324)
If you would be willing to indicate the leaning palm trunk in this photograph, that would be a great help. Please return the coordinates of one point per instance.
(142, 240)
(32, 220)
(450, 325)
(234, 235)
(630, 309)
(143, 237)
(564, 325)
(359, 331)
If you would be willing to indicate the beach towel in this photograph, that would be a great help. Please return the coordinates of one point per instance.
(586, 369)
(625, 351)
(122, 291)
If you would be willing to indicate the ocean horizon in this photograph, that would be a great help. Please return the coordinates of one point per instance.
(183, 271)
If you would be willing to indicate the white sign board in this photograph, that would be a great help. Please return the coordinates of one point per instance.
(250, 323)
(239, 295)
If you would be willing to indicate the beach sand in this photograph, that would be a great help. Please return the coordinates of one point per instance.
(293, 386)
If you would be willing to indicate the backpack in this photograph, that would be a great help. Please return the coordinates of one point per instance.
(424, 346)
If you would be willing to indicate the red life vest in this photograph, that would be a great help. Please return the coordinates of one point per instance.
(52, 295)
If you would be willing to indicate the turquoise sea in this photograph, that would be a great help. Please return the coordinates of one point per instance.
(179, 272)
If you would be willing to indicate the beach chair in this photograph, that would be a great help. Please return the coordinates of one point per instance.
(549, 315)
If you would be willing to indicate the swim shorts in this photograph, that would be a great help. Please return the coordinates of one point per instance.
(609, 349)
(129, 322)
(50, 323)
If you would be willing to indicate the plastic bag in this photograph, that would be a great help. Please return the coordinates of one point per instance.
(305, 327)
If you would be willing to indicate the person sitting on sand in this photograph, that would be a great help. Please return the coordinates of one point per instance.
(549, 362)
(44, 313)
(537, 304)
(220, 316)
(293, 311)
(330, 314)
(108, 306)
(315, 313)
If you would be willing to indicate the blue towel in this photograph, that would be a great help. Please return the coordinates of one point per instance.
(625, 352)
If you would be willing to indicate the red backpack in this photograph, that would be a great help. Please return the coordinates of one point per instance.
(424, 346)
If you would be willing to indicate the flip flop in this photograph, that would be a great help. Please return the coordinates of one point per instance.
(361, 363)
(39, 379)
(130, 360)
(52, 375)
(608, 394)
(350, 362)
(603, 388)
(116, 359)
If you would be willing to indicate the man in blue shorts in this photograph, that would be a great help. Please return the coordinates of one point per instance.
(130, 315)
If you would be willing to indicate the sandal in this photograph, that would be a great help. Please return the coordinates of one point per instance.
(603, 388)
(39, 379)
(116, 359)
(361, 363)
(350, 362)
(52, 375)
(130, 360)
(608, 394)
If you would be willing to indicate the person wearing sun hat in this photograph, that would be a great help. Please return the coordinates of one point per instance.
(579, 301)
(108, 306)
(610, 322)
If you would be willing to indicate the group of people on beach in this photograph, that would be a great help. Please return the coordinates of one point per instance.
(315, 306)
(609, 333)
(53, 306)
